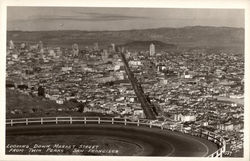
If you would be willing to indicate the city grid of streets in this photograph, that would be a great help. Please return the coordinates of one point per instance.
(191, 86)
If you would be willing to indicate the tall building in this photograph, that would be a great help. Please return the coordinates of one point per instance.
(104, 55)
(40, 47)
(11, 45)
(75, 50)
(23, 46)
(152, 49)
(113, 46)
(96, 46)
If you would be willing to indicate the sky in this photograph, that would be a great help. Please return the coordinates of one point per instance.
(99, 19)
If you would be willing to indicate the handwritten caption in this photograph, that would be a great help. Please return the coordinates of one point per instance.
(59, 148)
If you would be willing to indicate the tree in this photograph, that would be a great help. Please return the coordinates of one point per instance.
(22, 87)
(81, 107)
(41, 91)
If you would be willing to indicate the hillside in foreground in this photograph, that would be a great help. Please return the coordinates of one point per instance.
(19, 105)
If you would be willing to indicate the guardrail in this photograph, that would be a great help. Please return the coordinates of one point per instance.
(122, 121)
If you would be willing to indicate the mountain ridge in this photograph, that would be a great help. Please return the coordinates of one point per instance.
(191, 36)
(197, 26)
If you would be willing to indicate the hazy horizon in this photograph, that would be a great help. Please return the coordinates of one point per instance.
(116, 19)
(124, 29)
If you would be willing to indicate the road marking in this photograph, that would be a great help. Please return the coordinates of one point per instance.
(173, 149)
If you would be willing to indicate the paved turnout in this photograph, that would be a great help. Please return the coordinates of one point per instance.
(144, 141)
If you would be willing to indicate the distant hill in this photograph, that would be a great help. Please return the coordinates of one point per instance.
(144, 45)
(196, 36)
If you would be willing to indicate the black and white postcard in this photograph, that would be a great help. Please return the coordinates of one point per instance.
(119, 80)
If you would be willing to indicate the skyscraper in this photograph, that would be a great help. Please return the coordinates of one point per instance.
(96, 46)
(40, 47)
(104, 55)
(152, 49)
(11, 45)
(75, 50)
(113, 46)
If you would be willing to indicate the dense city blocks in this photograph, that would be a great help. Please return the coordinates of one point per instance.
(197, 87)
(85, 81)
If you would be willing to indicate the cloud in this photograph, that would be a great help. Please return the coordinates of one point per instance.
(82, 16)
(108, 17)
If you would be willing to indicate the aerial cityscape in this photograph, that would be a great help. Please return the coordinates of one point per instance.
(185, 86)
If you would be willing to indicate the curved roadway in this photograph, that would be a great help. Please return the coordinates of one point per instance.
(130, 140)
